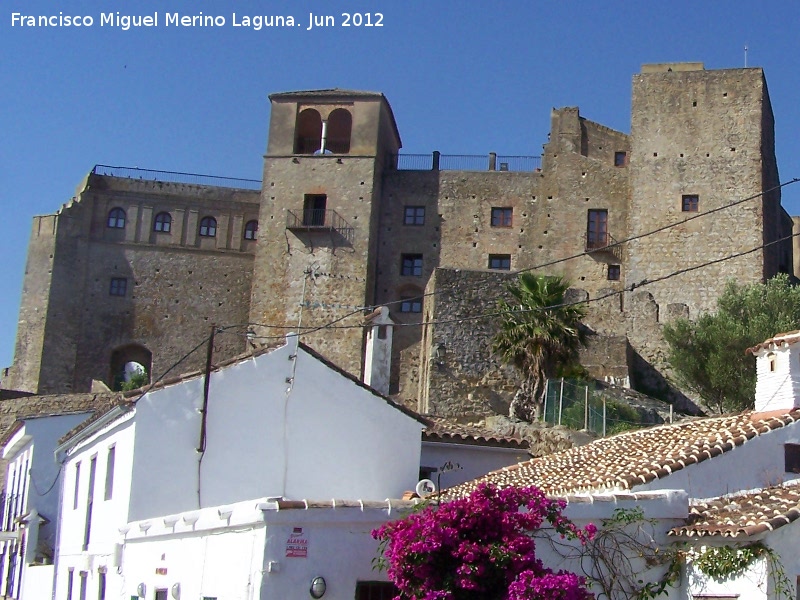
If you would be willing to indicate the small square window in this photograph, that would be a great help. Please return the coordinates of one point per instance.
(613, 272)
(690, 203)
(414, 215)
(411, 265)
(620, 159)
(411, 305)
(791, 453)
(502, 216)
(118, 286)
(500, 261)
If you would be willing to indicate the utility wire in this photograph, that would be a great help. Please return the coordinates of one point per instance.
(483, 315)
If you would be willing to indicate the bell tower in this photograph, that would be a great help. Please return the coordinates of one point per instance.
(320, 203)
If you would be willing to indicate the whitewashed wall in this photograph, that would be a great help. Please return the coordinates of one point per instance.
(474, 461)
(753, 584)
(108, 516)
(34, 477)
(778, 389)
(325, 438)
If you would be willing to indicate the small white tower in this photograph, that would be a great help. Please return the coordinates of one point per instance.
(777, 373)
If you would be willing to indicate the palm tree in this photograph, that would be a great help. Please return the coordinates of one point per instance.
(539, 332)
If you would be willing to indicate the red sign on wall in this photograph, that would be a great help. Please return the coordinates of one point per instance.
(297, 544)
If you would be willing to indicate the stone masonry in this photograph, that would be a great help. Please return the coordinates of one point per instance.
(344, 224)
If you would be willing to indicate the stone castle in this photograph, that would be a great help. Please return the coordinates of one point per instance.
(139, 266)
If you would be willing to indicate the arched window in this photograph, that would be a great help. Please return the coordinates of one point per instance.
(251, 230)
(163, 222)
(340, 124)
(208, 227)
(116, 218)
(130, 363)
(773, 361)
(308, 132)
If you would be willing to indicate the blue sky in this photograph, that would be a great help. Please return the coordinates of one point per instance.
(462, 78)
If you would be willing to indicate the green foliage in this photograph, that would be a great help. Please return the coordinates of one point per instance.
(708, 355)
(539, 332)
(136, 381)
(723, 562)
(619, 415)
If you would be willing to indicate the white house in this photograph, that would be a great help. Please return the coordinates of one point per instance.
(30, 502)
(740, 473)
(284, 424)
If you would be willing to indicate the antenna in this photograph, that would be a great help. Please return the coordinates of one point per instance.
(745, 56)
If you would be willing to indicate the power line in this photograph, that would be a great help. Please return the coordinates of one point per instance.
(484, 315)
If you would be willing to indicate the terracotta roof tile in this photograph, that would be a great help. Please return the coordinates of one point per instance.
(790, 337)
(448, 430)
(630, 459)
(743, 515)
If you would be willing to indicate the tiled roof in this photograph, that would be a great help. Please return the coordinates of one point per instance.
(744, 514)
(12, 412)
(791, 337)
(629, 459)
(448, 430)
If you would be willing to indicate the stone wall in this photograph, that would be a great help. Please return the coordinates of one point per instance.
(700, 133)
(461, 375)
(177, 284)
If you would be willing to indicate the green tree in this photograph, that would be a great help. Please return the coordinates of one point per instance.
(708, 355)
(539, 332)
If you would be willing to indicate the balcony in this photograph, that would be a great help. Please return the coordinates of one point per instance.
(602, 242)
(319, 220)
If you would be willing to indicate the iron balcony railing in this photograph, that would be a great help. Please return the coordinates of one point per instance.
(319, 219)
(464, 162)
(176, 177)
(602, 242)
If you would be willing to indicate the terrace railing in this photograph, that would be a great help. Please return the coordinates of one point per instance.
(464, 162)
(314, 219)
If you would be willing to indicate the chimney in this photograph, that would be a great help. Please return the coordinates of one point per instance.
(777, 373)
(378, 359)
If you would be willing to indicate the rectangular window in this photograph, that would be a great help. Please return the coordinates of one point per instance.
(77, 485)
(791, 454)
(414, 215)
(118, 287)
(411, 305)
(411, 265)
(110, 473)
(70, 582)
(375, 590)
(613, 272)
(620, 159)
(500, 261)
(101, 586)
(162, 594)
(502, 216)
(597, 229)
(87, 532)
(314, 207)
(690, 203)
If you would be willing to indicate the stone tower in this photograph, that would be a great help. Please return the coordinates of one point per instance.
(701, 140)
(319, 216)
